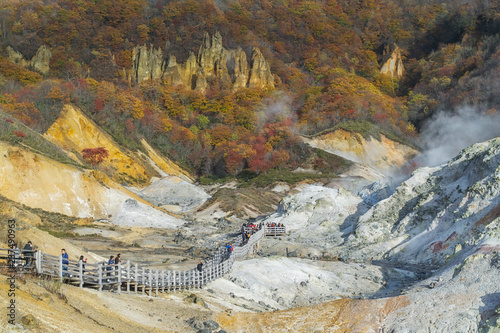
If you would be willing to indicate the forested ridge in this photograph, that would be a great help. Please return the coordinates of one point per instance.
(325, 55)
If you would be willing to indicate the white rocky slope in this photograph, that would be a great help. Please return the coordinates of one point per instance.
(283, 283)
(436, 213)
(318, 215)
(444, 220)
(174, 194)
(431, 216)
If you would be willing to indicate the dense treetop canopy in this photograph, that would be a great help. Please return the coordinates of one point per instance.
(326, 54)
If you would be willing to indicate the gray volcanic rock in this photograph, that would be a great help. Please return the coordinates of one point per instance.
(460, 298)
(173, 191)
(375, 192)
(436, 213)
(443, 223)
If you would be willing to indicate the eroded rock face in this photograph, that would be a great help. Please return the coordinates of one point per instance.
(393, 62)
(147, 63)
(212, 62)
(173, 191)
(443, 223)
(40, 61)
(437, 213)
(382, 154)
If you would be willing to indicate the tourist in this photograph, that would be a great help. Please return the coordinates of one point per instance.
(28, 253)
(118, 259)
(229, 250)
(199, 267)
(65, 262)
(83, 262)
(111, 263)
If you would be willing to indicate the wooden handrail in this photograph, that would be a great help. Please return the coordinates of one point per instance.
(123, 276)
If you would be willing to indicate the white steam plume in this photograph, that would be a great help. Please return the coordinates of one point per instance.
(447, 133)
(280, 106)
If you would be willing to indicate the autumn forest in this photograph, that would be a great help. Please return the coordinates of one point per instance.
(325, 56)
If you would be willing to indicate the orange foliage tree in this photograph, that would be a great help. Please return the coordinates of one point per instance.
(95, 156)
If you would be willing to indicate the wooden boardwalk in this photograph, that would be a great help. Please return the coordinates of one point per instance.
(134, 278)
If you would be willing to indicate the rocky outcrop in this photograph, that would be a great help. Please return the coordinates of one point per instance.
(213, 61)
(39, 182)
(260, 74)
(392, 62)
(40, 61)
(444, 220)
(382, 155)
(174, 194)
(73, 132)
(147, 63)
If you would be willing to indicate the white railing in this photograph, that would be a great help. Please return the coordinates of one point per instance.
(130, 277)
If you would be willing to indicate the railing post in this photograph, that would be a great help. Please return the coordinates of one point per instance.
(136, 277)
(128, 276)
(143, 282)
(157, 281)
(38, 262)
(150, 282)
(169, 279)
(163, 281)
(100, 276)
(119, 278)
(175, 279)
(60, 268)
(80, 272)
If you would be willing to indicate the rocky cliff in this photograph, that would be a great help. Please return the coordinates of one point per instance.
(381, 155)
(392, 63)
(40, 61)
(213, 61)
(73, 132)
(443, 224)
(39, 182)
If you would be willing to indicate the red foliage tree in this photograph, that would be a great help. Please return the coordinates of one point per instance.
(19, 134)
(95, 156)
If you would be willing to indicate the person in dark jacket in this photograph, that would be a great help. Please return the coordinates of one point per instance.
(84, 261)
(199, 267)
(28, 253)
(111, 263)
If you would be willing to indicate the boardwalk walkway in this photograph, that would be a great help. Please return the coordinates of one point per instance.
(134, 278)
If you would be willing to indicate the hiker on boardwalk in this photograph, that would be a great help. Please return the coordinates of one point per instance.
(28, 253)
(65, 262)
(199, 267)
(229, 250)
(111, 263)
(118, 261)
(83, 262)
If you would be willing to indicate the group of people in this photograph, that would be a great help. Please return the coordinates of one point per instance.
(249, 230)
(274, 225)
(25, 256)
(225, 252)
(113, 264)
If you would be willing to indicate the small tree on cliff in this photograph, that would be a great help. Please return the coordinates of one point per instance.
(94, 156)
